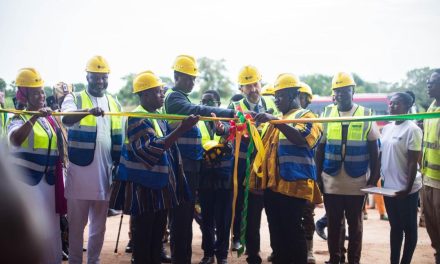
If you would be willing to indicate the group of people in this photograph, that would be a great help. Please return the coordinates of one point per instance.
(155, 170)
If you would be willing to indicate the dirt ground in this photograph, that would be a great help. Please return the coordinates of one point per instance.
(375, 243)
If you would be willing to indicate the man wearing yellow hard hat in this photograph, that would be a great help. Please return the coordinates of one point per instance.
(33, 145)
(150, 170)
(305, 95)
(348, 153)
(288, 172)
(249, 81)
(177, 102)
(94, 145)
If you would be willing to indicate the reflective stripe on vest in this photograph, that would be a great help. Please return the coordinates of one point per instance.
(431, 145)
(130, 169)
(38, 154)
(82, 135)
(356, 159)
(190, 143)
(295, 162)
(2, 123)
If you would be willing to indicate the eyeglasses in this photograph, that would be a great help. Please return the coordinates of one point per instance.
(209, 102)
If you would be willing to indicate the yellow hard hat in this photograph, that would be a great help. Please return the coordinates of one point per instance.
(29, 77)
(213, 152)
(146, 80)
(268, 89)
(248, 74)
(305, 88)
(286, 80)
(97, 64)
(210, 144)
(342, 79)
(186, 64)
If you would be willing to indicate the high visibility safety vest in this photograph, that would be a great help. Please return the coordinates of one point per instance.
(2, 123)
(269, 100)
(295, 162)
(224, 168)
(244, 106)
(82, 135)
(38, 154)
(190, 143)
(356, 158)
(431, 145)
(131, 169)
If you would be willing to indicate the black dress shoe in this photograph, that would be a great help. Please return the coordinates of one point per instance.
(164, 257)
(207, 260)
(113, 212)
(222, 261)
(236, 245)
(129, 247)
(65, 256)
(270, 258)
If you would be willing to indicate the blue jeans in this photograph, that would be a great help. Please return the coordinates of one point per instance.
(402, 214)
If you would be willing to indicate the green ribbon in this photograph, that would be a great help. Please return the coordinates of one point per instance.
(250, 151)
(418, 116)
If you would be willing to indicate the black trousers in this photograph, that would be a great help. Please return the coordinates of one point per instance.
(255, 208)
(181, 232)
(216, 207)
(402, 214)
(284, 215)
(336, 207)
(147, 236)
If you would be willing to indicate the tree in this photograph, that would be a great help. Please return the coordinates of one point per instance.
(126, 96)
(364, 86)
(167, 81)
(213, 76)
(78, 87)
(416, 82)
(48, 90)
(2, 85)
(320, 84)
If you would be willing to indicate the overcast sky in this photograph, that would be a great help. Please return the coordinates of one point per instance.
(378, 39)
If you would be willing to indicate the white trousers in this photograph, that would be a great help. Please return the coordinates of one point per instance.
(78, 212)
(47, 226)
